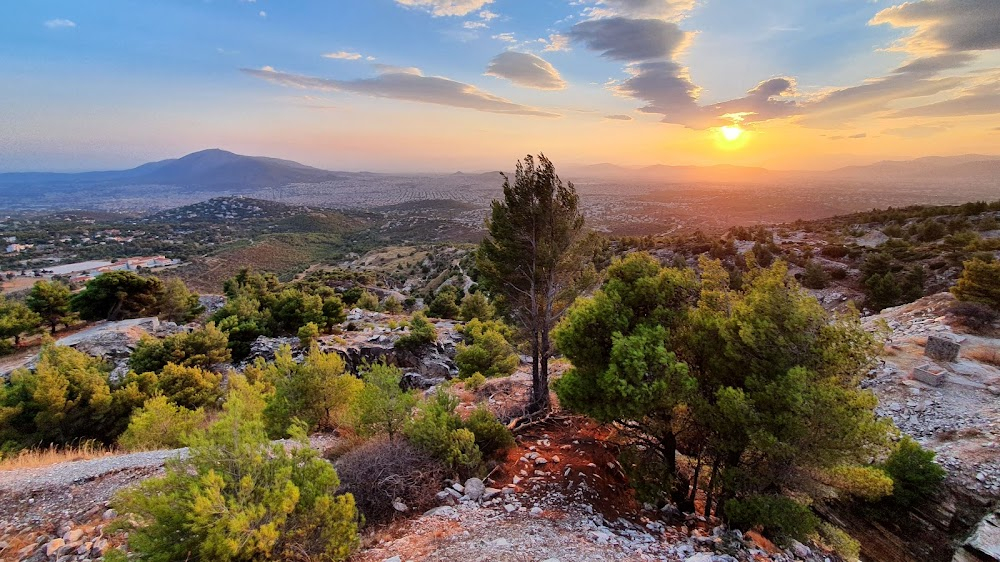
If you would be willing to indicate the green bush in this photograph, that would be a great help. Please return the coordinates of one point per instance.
(383, 407)
(116, 295)
(160, 425)
(475, 305)
(489, 354)
(368, 301)
(779, 516)
(438, 430)
(915, 475)
(980, 282)
(190, 387)
(205, 347)
(843, 544)
(422, 333)
(492, 437)
(308, 334)
(475, 382)
(240, 497)
(445, 303)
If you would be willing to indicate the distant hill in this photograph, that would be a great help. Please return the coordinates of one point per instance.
(207, 170)
(932, 168)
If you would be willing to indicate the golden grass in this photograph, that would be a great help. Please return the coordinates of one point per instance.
(48, 456)
(984, 354)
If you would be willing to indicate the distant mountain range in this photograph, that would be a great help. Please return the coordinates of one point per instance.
(207, 170)
(215, 172)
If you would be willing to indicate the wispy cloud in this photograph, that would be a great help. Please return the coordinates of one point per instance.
(438, 8)
(405, 84)
(555, 43)
(618, 117)
(262, 14)
(343, 55)
(59, 23)
(526, 69)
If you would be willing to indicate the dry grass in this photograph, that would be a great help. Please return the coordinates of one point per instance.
(984, 354)
(39, 457)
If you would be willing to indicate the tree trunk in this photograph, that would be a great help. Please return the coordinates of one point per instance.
(710, 493)
(541, 389)
(535, 371)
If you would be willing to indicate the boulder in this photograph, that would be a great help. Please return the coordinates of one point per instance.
(475, 488)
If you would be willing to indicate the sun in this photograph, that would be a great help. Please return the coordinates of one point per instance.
(731, 132)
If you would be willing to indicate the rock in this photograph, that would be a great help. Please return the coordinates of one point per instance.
(985, 538)
(801, 550)
(458, 487)
(475, 488)
(53, 547)
(489, 493)
(417, 381)
(535, 511)
(444, 511)
(541, 460)
(399, 506)
(942, 349)
(73, 535)
(393, 559)
(109, 514)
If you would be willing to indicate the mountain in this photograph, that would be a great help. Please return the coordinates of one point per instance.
(207, 170)
(931, 168)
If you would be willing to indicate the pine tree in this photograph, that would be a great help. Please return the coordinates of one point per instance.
(532, 259)
(50, 300)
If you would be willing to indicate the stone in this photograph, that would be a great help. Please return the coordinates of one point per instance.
(443, 511)
(393, 559)
(109, 514)
(801, 550)
(73, 535)
(942, 349)
(53, 547)
(928, 374)
(399, 506)
(475, 488)
(535, 511)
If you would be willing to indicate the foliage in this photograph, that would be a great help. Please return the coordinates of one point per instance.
(915, 475)
(383, 471)
(159, 424)
(190, 387)
(492, 437)
(421, 334)
(50, 301)
(439, 431)
(391, 305)
(66, 398)
(205, 347)
(975, 315)
(476, 305)
(843, 544)
(16, 319)
(177, 303)
(240, 497)
(308, 334)
(535, 259)
(117, 295)
(815, 277)
(475, 382)
(488, 354)
(382, 406)
(368, 301)
(979, 282)
(317, 392)
(778, 516)
(445, 303)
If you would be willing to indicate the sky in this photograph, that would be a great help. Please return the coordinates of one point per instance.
(446, 85)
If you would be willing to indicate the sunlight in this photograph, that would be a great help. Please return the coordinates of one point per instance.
(731, 133)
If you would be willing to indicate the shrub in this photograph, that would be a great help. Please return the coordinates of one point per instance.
(422, 333)
(445, 303)
(437, 430)
(190, 387)
(176, 303)
(382, 407)
(238, 496)
(834, 251)
(317, 392)
(979, 282)
(382, 471)
(160, 425)
(778, 516)
(206, 348)
(116, 295)
(489, 354)
(307, 334)
(475, 382)
(391, 305)
(841, 543)
(475, 305)
(492, 437)
(815, 277)
(368, 301)
(915, 475)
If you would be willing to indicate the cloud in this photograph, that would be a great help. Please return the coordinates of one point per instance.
(555, 43)
(487, 15)
(59, 23)
(968, 104)
(670, 10)
(525, 69)
(916, 131)
(474, 25)
(343, 55)
(438, 8)
(854, 136)
(262, 14)
(505, 37)
(631, 40)
(936, 63)
(618, 117)
(945, 25)
(405, 84)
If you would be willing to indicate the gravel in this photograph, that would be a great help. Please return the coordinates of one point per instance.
(69, 473)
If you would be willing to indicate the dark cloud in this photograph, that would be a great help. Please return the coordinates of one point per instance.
(935, 64)
(618, 117)
(631, 39)
(946, 25)
(841, 107)
(405, 84)
(526, 70)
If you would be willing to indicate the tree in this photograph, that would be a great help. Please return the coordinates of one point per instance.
(117, 295)
(367, 300)
(238, 497)
(190, 387)
(177, 303)
(815, 277)
(882, 291)
(620, 342)
(445, 303)
(16, 319)
(317, 392)
(308, 334)
(915, 475)
(422, 333)
(487, 353)
(979, 282)
(476, 305)
(383, 407)
(531, 257)
(50, 300)
(160, 424)
(206, 347)
(391, 305)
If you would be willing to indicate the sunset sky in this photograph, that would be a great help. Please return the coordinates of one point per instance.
(444, 85)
